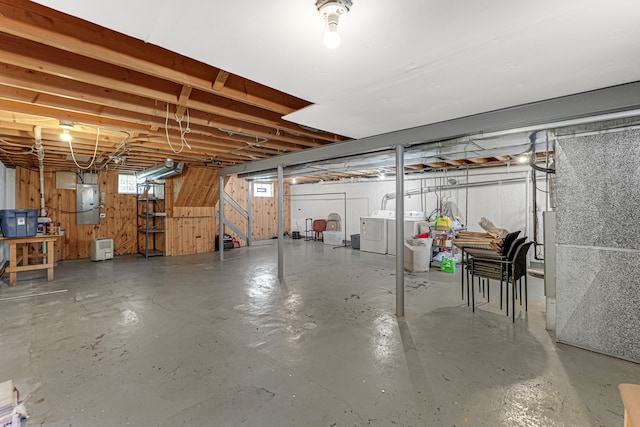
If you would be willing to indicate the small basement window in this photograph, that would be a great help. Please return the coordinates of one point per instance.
(263, 189)
(127, 183)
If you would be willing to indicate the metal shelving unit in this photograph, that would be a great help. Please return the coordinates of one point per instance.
(151, 217)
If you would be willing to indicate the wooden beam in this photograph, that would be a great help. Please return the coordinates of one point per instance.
(503, 158)
(181, 107)
(479, 160)
(19, 77)
(27, 20)
(437, 165)
(147, 114)
(455, 162)
(221, 79)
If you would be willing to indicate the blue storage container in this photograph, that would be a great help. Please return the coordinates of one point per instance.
(19, 222)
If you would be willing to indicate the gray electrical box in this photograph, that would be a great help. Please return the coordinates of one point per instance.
(88, 204)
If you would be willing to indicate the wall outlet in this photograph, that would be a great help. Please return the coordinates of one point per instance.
(103, 215)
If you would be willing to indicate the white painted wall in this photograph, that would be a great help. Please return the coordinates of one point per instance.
(505, 204)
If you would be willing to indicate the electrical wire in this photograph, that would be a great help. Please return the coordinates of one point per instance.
(183, 131)
(95, 152)
(29, 150)
(71, 212)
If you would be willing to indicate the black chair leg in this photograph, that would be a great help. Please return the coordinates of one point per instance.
(473, 297)
(506, 300)
(488, 289)
(520, 283)
(526, 303)
(469, 284)
(513, 301)
(501, 294)
(462, 277)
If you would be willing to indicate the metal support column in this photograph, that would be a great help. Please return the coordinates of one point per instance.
(221, 217)
(400, 231)
(280, 223)
(250, 217)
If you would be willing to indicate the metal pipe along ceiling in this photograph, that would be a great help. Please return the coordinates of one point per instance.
(433, 189)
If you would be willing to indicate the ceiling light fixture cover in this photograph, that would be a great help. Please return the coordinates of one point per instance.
(65, 135)
(331, 11)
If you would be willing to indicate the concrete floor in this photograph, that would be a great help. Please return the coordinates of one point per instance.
(191, 341)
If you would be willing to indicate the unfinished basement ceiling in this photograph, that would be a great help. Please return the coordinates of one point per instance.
(413, 69)
(400, 64)
(120, 94)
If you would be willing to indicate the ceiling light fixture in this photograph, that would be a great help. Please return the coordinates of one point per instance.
(65, 135)
(66, 124)
(523, 158)
(331, 11)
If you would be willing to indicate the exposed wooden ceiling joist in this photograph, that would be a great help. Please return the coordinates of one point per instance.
(57, 67)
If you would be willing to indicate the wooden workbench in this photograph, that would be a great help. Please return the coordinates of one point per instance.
(18, 264)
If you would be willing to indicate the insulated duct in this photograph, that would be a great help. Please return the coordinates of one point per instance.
(168, 169)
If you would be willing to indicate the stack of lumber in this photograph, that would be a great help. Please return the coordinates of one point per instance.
(477, 240)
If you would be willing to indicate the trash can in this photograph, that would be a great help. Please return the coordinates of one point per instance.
(417, 255)
(355, 241)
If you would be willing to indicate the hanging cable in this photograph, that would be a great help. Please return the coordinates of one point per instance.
(95, 152)
(28, 150)
(183, 131)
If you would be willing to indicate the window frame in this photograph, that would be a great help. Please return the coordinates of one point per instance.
(131, 181)
(269, 189)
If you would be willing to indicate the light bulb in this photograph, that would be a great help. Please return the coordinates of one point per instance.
(331, 36)
(523, 159)
(331, 11)
(65, 136)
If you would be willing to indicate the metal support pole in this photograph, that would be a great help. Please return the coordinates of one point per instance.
(280, 223)
(400, 231)
(249, 212)
(221, 218)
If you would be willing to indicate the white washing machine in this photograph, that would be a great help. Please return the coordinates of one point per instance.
(373, 231)
(411, 228)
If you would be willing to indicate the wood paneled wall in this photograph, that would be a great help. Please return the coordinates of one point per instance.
(264, 210)
(120, 210)
(191, 223)
(191, 199)
(265, 214)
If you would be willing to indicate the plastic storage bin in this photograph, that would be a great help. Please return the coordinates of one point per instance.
(417, 254)
(333, 238)
(355, 241)
(19, 222)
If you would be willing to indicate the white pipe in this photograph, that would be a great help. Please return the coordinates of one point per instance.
(436, 188)
(37, 130)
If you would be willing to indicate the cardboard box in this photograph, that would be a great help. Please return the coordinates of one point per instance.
(335, 238)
